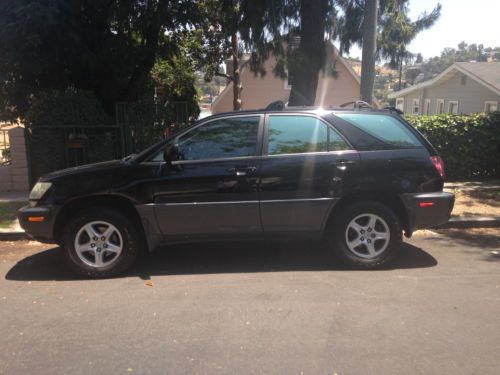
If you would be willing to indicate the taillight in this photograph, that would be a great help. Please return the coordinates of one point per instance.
(439, 164)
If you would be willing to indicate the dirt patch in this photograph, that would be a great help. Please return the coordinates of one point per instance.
(13, 251)
(477, 202)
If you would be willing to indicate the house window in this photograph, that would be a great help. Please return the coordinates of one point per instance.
(453, 107)
(439, 106)
(400, 104)
(490, 106)
(427, 107)
(416, 107)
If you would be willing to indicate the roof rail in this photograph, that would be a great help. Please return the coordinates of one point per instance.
(278, 105)
(396, 110)
(357, 104)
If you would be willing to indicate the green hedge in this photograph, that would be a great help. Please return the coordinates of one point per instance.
(69, 107)
(469, 145)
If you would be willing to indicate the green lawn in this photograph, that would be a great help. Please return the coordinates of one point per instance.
(8, 212)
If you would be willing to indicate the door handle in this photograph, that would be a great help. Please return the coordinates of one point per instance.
(343, 164)
(241, 171)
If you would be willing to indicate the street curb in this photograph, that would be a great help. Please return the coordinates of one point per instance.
(469, 222)
(14, 236)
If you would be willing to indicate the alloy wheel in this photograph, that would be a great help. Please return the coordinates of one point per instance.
(367, 236)
(98, 244)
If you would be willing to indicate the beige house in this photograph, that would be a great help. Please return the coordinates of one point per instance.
(463, 88)
(258, 91)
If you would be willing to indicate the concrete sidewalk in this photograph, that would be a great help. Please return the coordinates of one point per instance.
(15, 232)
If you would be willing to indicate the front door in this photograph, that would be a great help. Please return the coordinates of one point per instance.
(213, 188)
(304, 167)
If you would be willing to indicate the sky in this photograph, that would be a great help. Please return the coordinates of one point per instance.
(474, 21)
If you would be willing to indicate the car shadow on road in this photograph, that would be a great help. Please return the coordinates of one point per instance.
(488, 245)
(217, 258)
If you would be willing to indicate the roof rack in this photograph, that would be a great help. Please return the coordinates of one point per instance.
(278, 105)
(396, 110)
(358, 104)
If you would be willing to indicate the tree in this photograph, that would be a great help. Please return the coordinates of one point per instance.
(395, 29)
(232, 27)
(107, 47)
(369, 50)
(465, 52)
(307, 60)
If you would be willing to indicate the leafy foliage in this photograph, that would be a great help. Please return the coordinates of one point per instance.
(395, 31)
(70, 107)
(469, 145)
(107, 47)
(463, 53)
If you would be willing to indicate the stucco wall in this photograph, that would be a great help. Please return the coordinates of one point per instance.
(258, 91)
(14, 177)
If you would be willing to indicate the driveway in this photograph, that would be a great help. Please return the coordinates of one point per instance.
(271, 308)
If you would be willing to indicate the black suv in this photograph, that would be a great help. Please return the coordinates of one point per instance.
(357, 177)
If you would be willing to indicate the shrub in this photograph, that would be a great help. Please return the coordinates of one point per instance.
(70, 107)
(469, 145)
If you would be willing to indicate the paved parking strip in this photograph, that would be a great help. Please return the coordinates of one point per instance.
(280, 308)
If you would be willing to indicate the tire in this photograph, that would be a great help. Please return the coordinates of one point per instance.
(360, 244)
(100, 256)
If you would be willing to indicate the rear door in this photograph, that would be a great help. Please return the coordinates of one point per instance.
(305, 166)
(213, 190)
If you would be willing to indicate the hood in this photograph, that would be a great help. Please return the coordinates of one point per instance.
(96, 167)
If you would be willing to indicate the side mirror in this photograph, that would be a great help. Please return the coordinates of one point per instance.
(171, 154)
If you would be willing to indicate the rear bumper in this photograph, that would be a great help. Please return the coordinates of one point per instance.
(42, 231)
(427, 210)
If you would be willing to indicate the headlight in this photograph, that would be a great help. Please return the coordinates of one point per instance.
(39, 190)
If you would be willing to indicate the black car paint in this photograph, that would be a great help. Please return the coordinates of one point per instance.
(247, 196)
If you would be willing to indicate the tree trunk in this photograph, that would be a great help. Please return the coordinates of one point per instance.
(369, 50)
(310, 56)
(400, 73)
(237, 86)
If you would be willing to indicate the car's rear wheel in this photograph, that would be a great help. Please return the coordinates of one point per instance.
(100, 242)
(366, 235)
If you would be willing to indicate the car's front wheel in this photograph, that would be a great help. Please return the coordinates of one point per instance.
(366, 235)
(100, 242)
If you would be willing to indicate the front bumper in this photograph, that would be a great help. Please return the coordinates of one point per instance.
(427, 210)
(41, 230)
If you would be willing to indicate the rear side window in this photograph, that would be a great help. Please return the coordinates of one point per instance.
(292, 134)
(386, 129)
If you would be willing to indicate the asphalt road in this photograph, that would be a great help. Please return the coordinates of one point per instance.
(257, 308)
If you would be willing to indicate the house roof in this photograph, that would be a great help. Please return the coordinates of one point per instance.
(485, 73)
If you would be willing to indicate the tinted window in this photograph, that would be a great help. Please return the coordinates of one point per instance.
(336, 142)
(224, 138)
(392, 132)
(300, 134)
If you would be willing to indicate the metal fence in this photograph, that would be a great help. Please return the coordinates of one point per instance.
(58, 147)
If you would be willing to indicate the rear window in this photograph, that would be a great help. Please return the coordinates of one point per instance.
(385, 129)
